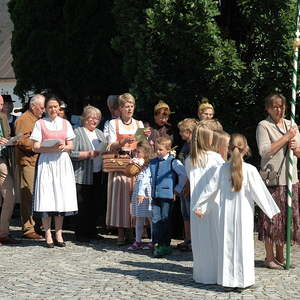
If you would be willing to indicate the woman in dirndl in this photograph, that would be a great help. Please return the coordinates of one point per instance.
(121, 137)
(55, 189)
(275, 135)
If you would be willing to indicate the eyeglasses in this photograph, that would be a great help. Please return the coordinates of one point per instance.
(94, 119)
(282, 107)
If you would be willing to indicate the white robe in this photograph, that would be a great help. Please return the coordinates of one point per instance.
(204, 231)
(235, 241)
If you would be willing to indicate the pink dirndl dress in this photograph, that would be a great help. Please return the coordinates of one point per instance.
(55, 188)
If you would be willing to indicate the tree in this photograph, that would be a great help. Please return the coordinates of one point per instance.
(173, 51)
(65, 46)
(92, 67)
(38, 45)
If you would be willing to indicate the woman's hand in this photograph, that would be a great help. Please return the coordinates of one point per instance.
(140, 199)
(128, 140)
(292, 144)
(198, 213)
(292, 132)
(89, 154)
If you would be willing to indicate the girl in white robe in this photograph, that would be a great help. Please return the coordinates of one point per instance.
(200, 167)
(238, 185)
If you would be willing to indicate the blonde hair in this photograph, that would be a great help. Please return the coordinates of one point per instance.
(188, 124)
(238, 148)
(147, 149)
(200, 144)
(203, 105)
(212, 124)
(220, 142)
(164, 141)
(88, 110)
(126, 98)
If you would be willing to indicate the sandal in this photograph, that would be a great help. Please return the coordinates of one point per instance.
(273, 265)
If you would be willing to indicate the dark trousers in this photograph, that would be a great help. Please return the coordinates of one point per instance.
(161, 221)
(89, 207)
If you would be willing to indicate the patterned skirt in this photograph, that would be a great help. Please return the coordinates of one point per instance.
(274, 230)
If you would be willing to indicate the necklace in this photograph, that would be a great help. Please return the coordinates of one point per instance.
(126, 123)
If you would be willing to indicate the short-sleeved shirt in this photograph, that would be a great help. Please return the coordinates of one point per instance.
(56, 124)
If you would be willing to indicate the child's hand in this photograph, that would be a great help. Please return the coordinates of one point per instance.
(147, 131)
(140, 199)
(198, 213)
(186, 189)
(175, 195)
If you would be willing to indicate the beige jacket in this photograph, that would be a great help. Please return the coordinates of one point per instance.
(266, 134)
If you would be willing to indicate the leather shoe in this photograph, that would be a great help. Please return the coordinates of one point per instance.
(8, 241)
(59, 244)
(49, 245)
(32, 236)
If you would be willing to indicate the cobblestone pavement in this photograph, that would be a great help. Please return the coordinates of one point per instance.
(102, 270)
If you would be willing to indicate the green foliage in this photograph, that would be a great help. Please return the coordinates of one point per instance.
(37, 44)
(179, 51)
(174, 50)
(65, 46)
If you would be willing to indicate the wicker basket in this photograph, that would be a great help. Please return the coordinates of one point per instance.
(132, 169)
(114, 162)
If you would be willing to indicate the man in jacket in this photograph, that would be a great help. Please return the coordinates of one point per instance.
(26, 159)
(6, 183)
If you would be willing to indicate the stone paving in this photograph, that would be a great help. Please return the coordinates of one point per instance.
(102, 270)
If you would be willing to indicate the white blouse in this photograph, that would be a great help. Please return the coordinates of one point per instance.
(123, 129)
(56, 124)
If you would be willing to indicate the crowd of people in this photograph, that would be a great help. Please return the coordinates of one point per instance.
(58, 172)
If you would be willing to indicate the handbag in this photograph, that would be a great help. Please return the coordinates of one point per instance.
(115, 162)
(269, 176)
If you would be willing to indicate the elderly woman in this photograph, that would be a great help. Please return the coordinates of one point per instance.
(88, 144)
(121, 138)
(275, 136)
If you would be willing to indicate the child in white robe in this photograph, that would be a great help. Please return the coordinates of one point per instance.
(238, 185)
(200, 167)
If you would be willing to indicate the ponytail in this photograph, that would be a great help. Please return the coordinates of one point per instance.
(236, 167)
(238, 147)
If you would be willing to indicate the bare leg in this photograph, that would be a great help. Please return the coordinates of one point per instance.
(279, 253)
(47, 228)
(269, 251)
(58, 228)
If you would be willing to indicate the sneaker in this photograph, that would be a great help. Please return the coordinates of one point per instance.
(135, 246)
(147, 246)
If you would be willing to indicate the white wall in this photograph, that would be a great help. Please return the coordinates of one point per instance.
(7, 88)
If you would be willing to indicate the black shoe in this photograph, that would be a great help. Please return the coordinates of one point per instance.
(49, 245)
(59, 244)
